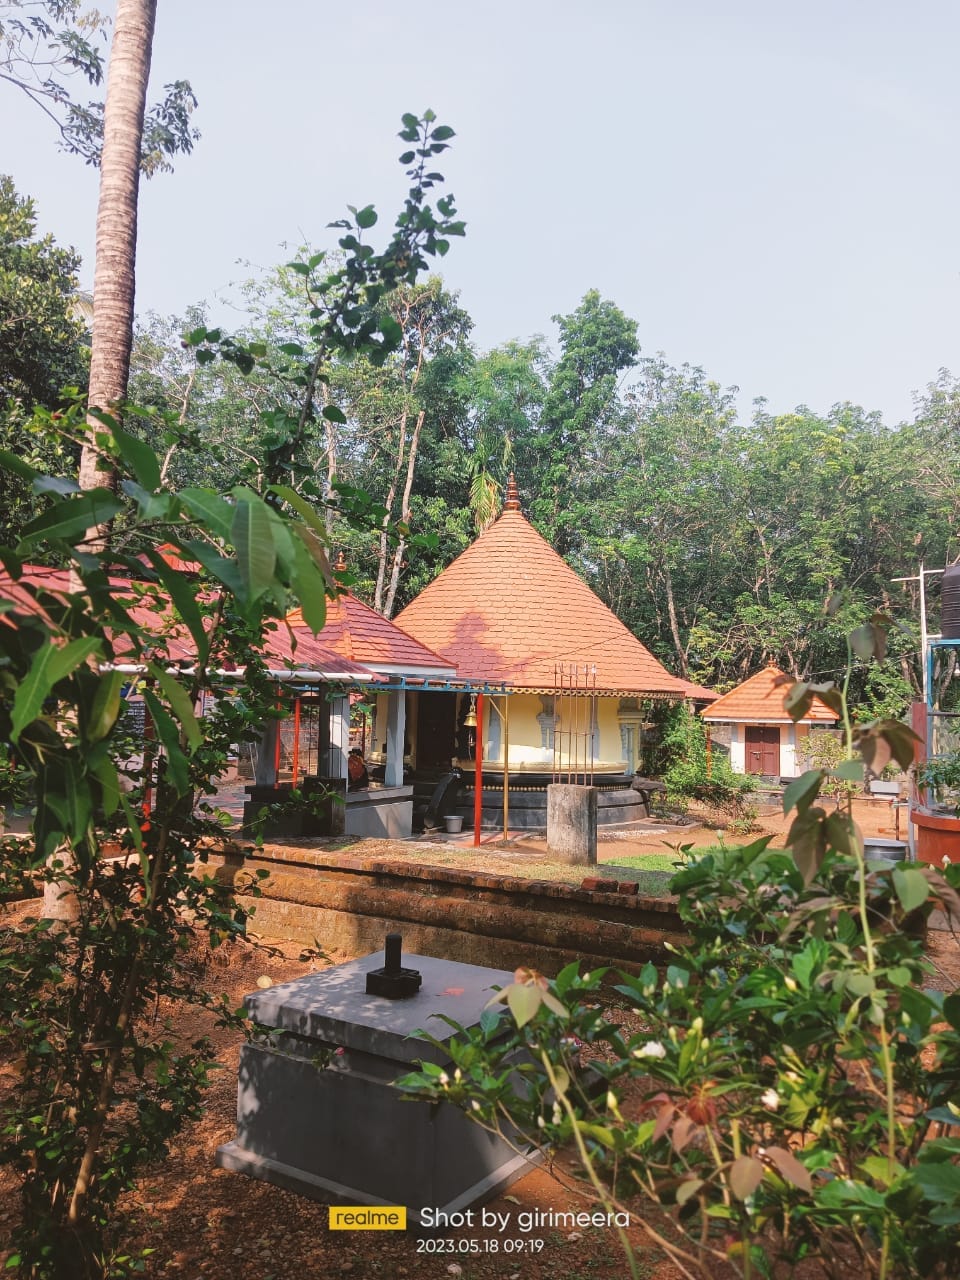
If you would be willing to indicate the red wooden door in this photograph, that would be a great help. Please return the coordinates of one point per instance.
(763, 749)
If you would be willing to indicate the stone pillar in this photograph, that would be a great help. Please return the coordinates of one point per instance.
(396, 732)
(265, 774)
(572, 823)
(339, 737)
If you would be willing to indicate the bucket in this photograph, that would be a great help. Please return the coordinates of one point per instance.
(877, 849)
(453, 822)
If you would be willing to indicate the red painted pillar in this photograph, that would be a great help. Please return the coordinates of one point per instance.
(478, 775)
(296, 739)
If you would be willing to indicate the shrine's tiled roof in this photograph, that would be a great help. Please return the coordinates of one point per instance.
(361, 634)
(355, 643)
(759, 700)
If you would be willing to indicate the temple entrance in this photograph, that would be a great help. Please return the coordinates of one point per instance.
(763, 749)
(436, 736)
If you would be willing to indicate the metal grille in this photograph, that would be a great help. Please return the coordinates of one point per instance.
(575, 722)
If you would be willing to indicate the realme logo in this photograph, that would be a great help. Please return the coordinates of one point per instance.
(362, 1217)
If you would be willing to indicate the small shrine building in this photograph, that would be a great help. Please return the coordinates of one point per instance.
(762, 738)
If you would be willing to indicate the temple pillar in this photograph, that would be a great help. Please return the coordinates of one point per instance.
(396, 734)
(265, 774)
(339, 737)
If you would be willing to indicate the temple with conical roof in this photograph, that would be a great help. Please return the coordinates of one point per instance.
(510, 614)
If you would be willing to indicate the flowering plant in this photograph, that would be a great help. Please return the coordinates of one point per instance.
(777, 1092)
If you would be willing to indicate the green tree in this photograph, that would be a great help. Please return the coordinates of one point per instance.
(597, 344)
(41, 344)
(47, 46)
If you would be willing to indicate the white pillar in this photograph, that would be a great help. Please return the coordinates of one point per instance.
(265, 774)
(339, 737)
(396, 732)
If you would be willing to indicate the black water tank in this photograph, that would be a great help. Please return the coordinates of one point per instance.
(950, 604)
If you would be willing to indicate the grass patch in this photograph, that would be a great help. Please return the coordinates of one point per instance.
(644, 862)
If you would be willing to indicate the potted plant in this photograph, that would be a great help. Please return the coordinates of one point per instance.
(937, 821)
(941, 776)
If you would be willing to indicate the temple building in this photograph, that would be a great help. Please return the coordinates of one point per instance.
(564, 685)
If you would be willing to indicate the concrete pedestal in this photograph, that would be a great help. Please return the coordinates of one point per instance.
(572, 823)
(317, 1108)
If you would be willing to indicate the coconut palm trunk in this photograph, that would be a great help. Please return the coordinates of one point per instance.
(113, 287)
(115, 269)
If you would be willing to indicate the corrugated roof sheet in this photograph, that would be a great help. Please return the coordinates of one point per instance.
(509, 609)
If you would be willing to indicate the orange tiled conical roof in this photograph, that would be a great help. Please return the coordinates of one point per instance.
(509, 609)
(759, 700)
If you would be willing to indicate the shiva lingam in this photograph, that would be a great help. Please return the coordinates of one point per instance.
(392, 980)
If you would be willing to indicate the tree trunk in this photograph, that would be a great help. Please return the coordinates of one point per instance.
(674, 625)
(113, 279)
(114, 273)
(405, 515)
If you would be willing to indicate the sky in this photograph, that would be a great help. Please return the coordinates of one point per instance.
(768, 188)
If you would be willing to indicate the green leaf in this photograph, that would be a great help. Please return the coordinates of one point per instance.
(221, 567)
(849, 771)
(869, 642)
(442, 133)
(71, 518)
(366, 217)
(105, 771)
(10, 462)
(523, 1001)
(939, 1181)
(50, 665)
(183, 594)
(105, 707)
(802, 791)
(208, 507)
(912, 886)
(334, 414)
(309, 585)
(877, 1167)
(138, 456)
(252, 538)
(71, 801)
(169, 735)
(599, 1132)
(180, 703)
(689, 1188)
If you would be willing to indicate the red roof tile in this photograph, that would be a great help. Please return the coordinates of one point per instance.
(760, 699)
(699, 692)
(509, 609)
(354, 639)
(358, 632)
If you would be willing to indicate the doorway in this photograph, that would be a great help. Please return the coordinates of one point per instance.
(763, 749)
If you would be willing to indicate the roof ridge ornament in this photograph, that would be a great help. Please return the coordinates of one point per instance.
(512, 501)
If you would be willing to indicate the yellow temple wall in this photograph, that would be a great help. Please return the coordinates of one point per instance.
(531, 729)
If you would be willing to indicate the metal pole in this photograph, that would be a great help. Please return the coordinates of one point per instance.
(923, 638)
(478, 775)
(506, 768)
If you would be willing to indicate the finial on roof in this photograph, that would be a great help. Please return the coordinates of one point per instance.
(341, 564)
(512, 502)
